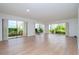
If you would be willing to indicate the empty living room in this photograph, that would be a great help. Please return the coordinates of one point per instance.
(39, 28)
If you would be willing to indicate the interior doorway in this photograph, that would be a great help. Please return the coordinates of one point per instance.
(39, 28)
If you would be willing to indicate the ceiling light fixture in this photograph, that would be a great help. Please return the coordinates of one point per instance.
(28, 10)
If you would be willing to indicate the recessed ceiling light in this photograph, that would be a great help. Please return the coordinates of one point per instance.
(28, 10)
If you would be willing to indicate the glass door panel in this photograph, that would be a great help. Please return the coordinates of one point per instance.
(20, 27)
(15, 28)
(12, 29)
(57, 28)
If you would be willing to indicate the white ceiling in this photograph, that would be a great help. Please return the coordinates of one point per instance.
(44, 12)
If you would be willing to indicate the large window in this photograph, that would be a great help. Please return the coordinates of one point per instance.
(15, 28)
(57, 28)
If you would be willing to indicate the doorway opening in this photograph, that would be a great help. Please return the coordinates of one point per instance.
(39, 28)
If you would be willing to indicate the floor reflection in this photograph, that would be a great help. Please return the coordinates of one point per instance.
(59, 44)
(71, 45)
(39, 39)
(44, 44)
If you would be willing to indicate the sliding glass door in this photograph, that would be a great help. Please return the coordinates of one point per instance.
(15, 28)
(57, 28)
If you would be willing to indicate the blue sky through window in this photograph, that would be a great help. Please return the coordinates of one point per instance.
(11, 24)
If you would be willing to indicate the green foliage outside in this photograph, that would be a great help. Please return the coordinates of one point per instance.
(38, 30)
(14, 32)
(60, 29)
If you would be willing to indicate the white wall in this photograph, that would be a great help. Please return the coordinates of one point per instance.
(78, 28)
(5, 29)
(31, 28)
(73, 29)
(0, 29)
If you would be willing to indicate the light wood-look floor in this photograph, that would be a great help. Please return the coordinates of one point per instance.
(48, 44)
